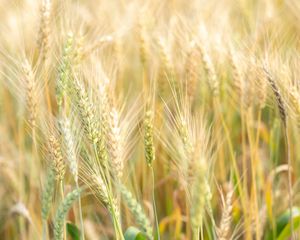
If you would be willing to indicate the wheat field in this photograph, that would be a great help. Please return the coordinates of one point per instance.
(149, 119)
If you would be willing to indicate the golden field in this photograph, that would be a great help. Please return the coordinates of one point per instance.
(135, 120)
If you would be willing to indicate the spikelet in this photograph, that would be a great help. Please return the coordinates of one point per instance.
(62, 211)
(64, 71)
(115, 141)
(31, 98)
(148, 138)
(56, 157)
(70, 147)
(137, 211)
(44, 32)
(47, 195)
(87, 113)
(223, 230)
(210, 70)
(278, 97)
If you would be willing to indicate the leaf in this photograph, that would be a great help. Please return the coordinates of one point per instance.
(286, 232)
(132, 233)
(284, 218)
(73, 231)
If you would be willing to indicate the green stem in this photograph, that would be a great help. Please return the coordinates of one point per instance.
(62, 199)
(154, 204)
(80, 213)
(290, 187)
(44, 236)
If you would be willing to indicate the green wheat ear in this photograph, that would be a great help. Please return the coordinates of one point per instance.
(137, 211)
(62, 211)
(148, 138)
(64, 71)
(48, 194)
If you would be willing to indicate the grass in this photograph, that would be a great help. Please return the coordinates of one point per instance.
(149, 119)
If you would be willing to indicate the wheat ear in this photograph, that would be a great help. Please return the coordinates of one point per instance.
(70, 147)
(44, 32)
(62, 211)
(116, 144)
(137, 211)
(191, 74)
(87, 113)
(236, 72)
(223, 230)
(283, 116)
(278, 97)
(148, 138)
(56, 157)
(31, 99)
(210, 70)
(48, 194)
(64, 71)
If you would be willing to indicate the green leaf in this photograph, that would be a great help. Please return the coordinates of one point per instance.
(286, 232)
(73, 231)
(132, 233)
(284, 219)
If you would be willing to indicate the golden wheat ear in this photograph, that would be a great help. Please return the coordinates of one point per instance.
(223, 230)
(45, 29)
(277, 94)
(31, 93)
(57, 157)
